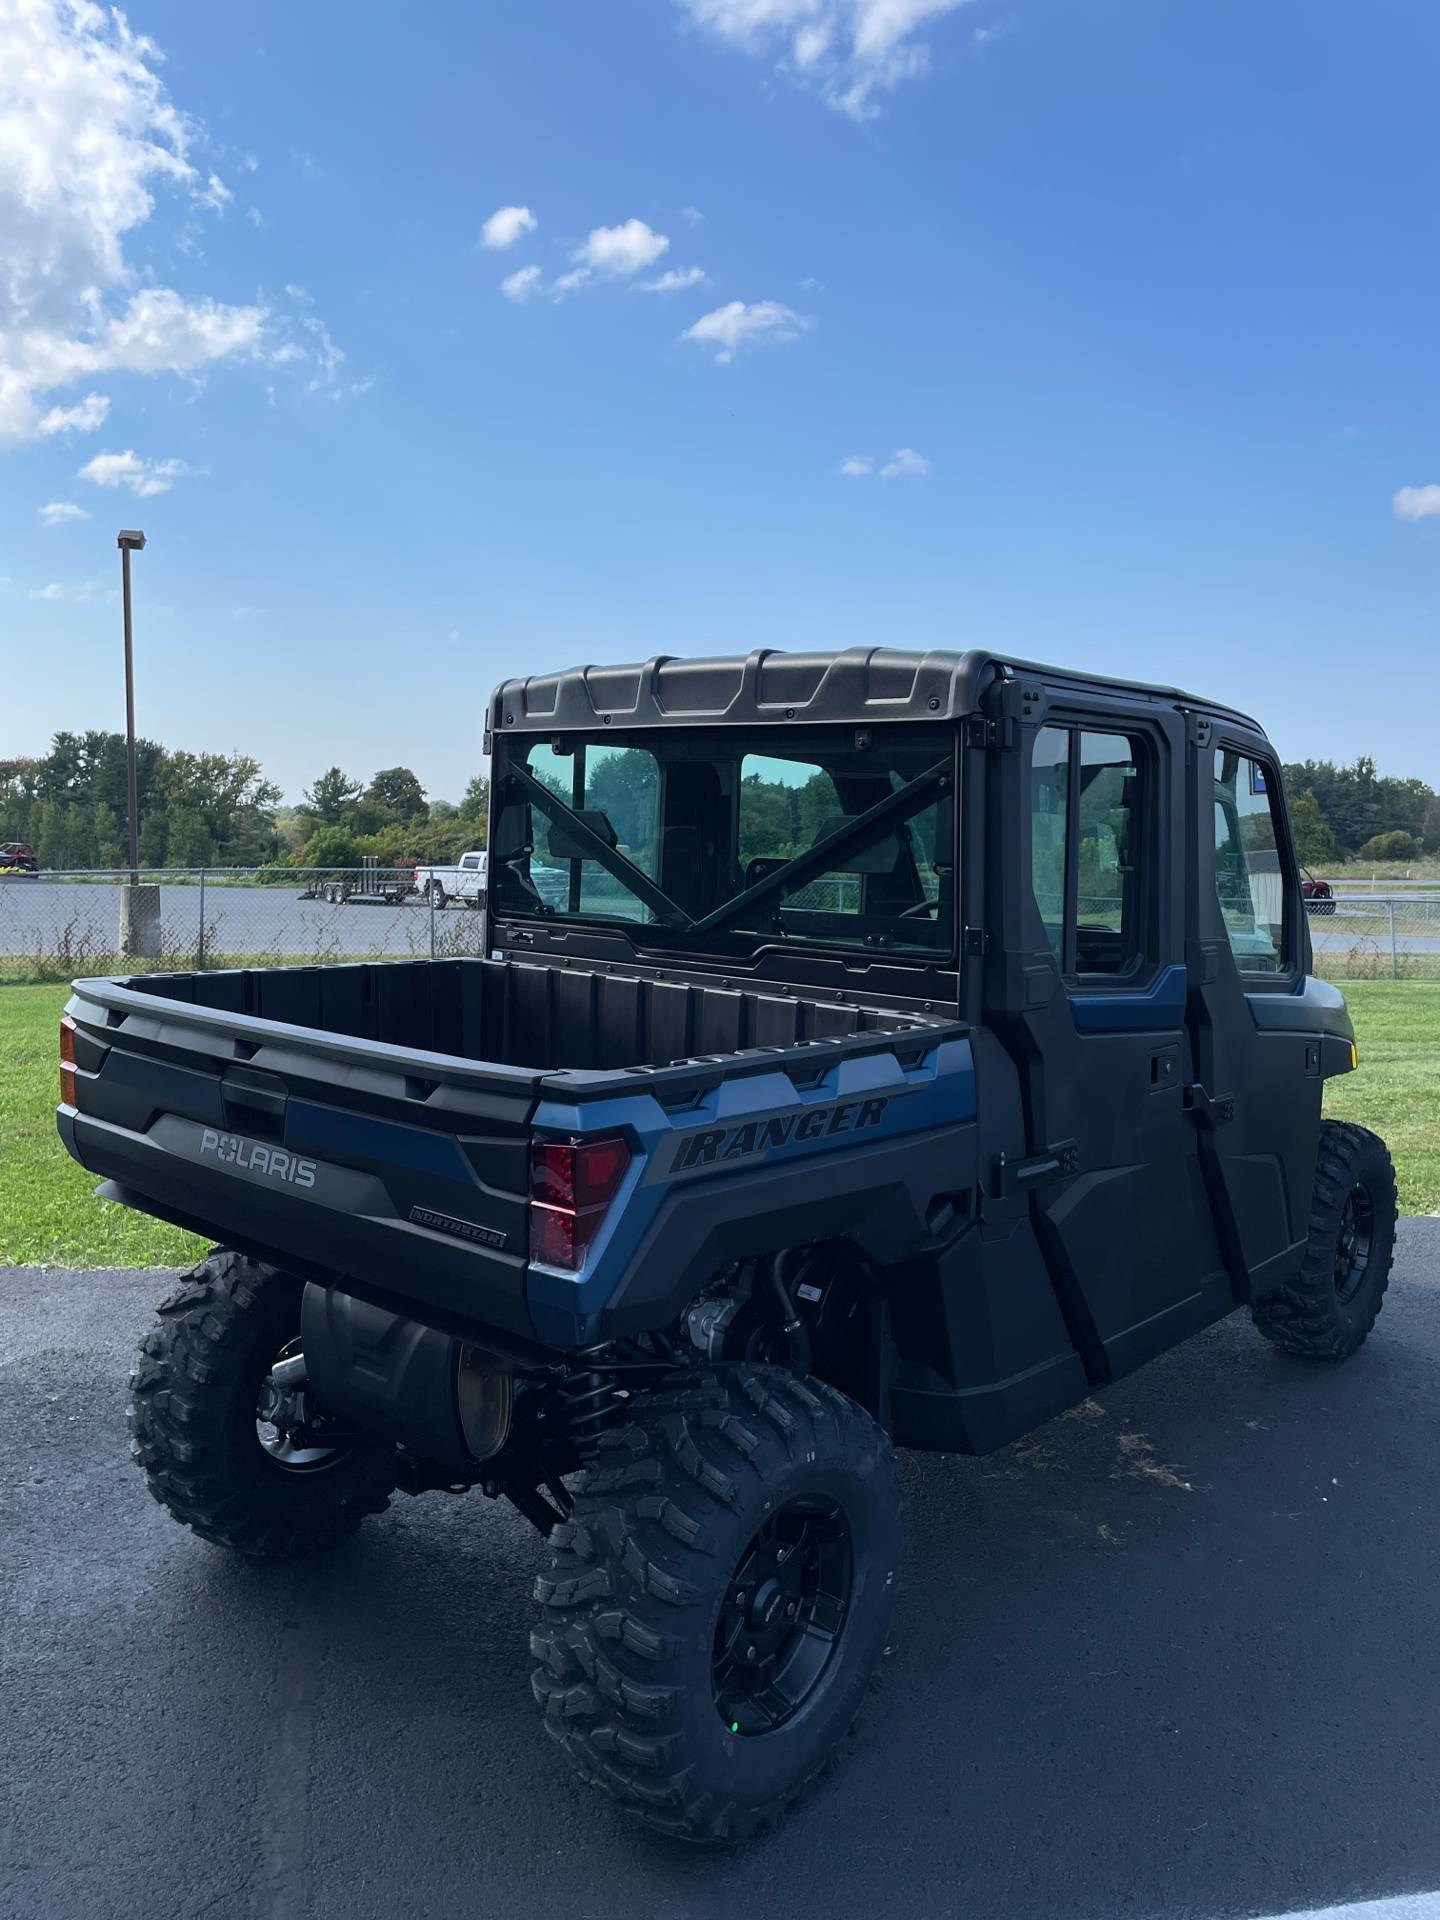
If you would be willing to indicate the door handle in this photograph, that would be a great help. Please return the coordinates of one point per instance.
(1210, 1110)
(1008, 1177)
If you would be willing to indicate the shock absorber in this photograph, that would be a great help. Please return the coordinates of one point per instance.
(591, 1400)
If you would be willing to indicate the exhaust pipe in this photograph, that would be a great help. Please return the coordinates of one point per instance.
(441, 1397)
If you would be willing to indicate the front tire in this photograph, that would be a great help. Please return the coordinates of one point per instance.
(719, 1599)
(198, 1432)
(1327, 1310)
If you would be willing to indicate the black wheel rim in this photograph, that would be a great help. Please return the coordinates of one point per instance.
(1353, 1242)
(783, 1617)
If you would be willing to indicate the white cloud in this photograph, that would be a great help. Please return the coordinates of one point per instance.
(87, 593)
(849, 49)
(622, 249)
(693, 215)
(505, 226)
(142, 477)
(904, 461)
(674, 281)
(736, 325)
(88, 132)
(1417, 503)
(57, 512)
(613, 251)
(85, 418)
(323, 353)
(520, 286)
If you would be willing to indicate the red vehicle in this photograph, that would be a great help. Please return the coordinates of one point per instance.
(1318, 895)
(16, 857)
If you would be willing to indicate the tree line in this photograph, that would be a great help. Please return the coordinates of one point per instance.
(341, 822)
(218, 809)
(1354, 813)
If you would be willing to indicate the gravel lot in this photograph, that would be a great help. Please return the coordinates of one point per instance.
(1176, 1654)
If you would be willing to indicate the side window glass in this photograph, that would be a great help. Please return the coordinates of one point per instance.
(1049, 831)
(1084, 842)
(1248, 878)
(1107, 921)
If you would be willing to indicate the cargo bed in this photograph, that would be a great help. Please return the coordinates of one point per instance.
(373, 1123)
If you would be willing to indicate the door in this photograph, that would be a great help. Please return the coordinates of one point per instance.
(1094, 991)
(1255, 1100)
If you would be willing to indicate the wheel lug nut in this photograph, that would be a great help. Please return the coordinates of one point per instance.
(750, 1653)
(792, 1610)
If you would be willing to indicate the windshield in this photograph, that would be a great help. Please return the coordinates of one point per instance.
(732, 838)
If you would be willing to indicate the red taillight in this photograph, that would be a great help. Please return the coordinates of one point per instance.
(67, 1060)
(571, 1184)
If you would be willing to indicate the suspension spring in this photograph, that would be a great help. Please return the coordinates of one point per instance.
(592, 1402)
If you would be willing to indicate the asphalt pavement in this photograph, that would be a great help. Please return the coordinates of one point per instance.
(1177, 1653)
(80, 921)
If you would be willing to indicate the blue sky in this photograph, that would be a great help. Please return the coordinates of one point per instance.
(1136, 302)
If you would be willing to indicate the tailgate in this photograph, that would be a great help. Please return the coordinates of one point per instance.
(404, 1170)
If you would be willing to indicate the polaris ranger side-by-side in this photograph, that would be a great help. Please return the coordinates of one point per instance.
(872, 1047)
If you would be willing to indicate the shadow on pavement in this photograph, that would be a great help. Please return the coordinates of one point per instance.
(1175, 1654)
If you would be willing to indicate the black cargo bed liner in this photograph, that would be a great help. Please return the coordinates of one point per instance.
(545, 1016)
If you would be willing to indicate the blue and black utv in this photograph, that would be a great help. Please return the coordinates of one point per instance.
(866, 1048)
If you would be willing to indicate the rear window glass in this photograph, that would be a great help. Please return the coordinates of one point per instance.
(732, 838)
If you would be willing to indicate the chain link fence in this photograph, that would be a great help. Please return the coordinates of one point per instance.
(1367, 937)
(58, 926)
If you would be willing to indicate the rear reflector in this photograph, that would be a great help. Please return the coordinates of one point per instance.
(572, 1182)
(67, 1060)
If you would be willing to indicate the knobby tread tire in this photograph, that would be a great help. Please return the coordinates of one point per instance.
(1307, 1317)
(628, 1609)
(192, 1419)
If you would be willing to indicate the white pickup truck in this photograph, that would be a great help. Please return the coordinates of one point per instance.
(465, 882)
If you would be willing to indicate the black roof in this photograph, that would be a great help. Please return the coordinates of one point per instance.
(858, 684)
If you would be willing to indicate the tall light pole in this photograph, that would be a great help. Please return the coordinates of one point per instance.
(130, 540)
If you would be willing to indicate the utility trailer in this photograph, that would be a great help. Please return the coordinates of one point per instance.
(369, 886)
(873, 1049)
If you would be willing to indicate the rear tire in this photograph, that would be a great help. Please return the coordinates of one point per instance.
(719, 1599)
(1327, 1310)
(193, 1420)
(435, 893)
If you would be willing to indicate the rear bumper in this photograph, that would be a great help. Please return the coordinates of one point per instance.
(344, 1225)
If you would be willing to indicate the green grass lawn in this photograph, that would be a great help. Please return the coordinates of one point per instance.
(49, 1215)
(1395, 1091)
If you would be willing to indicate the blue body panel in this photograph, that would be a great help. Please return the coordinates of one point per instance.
(744, 1123)
(340, 1134)
(1159, 1010)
